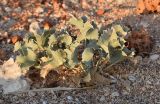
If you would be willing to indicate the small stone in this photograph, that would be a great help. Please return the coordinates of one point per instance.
(15, 85)
(149, 82)
(113, 80)
(137, 60)
(124, 92)
(40, 19)
(4, 2)
(1, 101)
(144, 24)
(106, 91)
(19, 9)
(76, 99)
(10, 22)
(102, 98)
(7, 9)
(39, 10)
(44, 102)
(10, 77)
(131, 78)
(69, 97)
(31, 94)
(154, 57)
(158, 62)
(115, 94)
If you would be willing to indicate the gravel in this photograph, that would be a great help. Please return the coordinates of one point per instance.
(138, 83)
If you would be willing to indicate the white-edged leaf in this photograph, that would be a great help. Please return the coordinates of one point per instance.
(118, 28)
(17, 46)
(87, 55)
(113, 40)
(52, 40)
(93, 34)
(77, 22)
(65, 39)
(31, 44)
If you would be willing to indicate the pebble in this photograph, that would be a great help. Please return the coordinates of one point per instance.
(132, 78)
(149, 82)
(115, 94)
(154, 57)
(69, 97)
(10, 23)
(137, 60)
(31, 94)
(113, 80)
(4, 2)
(1, 101)
(102, 98)
(124, 92)
(39, 10)
(158, 62)
(7, 9)
(13, 81)
(19, 9)
(16, 85)
(44, 102)
(144, 24)
(107, 91)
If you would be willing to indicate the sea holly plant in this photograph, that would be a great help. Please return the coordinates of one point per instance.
(49, 51)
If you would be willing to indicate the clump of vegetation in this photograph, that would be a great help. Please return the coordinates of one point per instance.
(48, 51)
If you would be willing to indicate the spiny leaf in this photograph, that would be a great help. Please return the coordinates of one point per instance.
(39, 39)
(92, 44)
(87, 55)
(26, 60)
(31, 54)
(77, 22)
(92, 34)
(104, 40)
(85, 28)
(119, 29)
(70, 59)
(58, 59)
(115, 56)
(72, 54)
(17, 46)
(114, 42)
(31, 44)
(81, 37)
(45, 38)
(52, 40)
(65, 39)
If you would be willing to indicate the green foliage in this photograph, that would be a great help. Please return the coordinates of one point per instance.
(39, 50)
